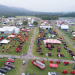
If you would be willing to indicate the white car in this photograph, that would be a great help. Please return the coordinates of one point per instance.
(24, 62)
(1, 73)
(23, 74)
(53, 73)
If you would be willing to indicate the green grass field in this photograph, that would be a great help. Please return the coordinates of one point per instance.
(25, 16)
(24, 48)
(16, 70)
(34, 70)
(66, 17)
(53, 51)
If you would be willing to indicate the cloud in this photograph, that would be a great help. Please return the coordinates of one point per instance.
(42, 5)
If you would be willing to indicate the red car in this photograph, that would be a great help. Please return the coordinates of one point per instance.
(10, 60)
(9, 65)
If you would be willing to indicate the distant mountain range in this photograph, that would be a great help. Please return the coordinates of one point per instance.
(17, 11)
(13, 10)
(4, 8)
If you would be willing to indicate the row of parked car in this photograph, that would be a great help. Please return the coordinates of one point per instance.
(27, 74)
(8, 65)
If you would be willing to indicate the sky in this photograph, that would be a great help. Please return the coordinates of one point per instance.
(42, 5)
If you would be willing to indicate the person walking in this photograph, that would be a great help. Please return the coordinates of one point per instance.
(30, 54)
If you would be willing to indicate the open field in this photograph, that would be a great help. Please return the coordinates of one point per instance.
(34, 70)
(16, 70)
(24, 48)
(66, 17)
(25, 16)
(53, 51)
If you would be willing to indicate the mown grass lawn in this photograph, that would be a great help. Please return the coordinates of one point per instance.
(34, 70)
(26, 16)
(16, 70)
(24, 48)
(53, 51)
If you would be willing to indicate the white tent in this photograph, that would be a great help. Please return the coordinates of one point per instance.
(73, 32)
(7, 29)
(64, 27)
(46, 27)
(73, 35)
(5, 41)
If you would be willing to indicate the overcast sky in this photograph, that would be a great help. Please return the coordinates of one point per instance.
(42, 5)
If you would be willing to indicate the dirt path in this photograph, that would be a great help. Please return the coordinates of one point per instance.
(24, 66)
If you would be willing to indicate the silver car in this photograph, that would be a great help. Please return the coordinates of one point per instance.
(6, 68)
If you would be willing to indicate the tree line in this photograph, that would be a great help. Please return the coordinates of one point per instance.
(43, 15)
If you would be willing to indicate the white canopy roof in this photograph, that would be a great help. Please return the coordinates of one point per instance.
(64, 26)
(73, 35)
(5, 41)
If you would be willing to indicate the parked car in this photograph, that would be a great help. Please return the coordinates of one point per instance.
(23, 74)
(1, 56)
(53, 73)
(6, 68)
(24, 62)
(12, 57)
(28, 74)
(9, 65)
(3, 71)
(10, 60)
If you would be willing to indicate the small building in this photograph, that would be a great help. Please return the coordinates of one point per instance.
(64, 27)
(46, 27)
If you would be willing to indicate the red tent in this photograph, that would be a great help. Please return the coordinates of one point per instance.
(53, 65)
(52, 41)
(38, 64)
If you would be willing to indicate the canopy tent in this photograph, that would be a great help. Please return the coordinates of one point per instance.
(53, 65)
(52, 41)
(73, 35)
(73, 32)
(39, 64)
(5, 41)
(11, 36)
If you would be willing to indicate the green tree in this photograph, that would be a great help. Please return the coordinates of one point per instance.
(25, 22)
(35, 23)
